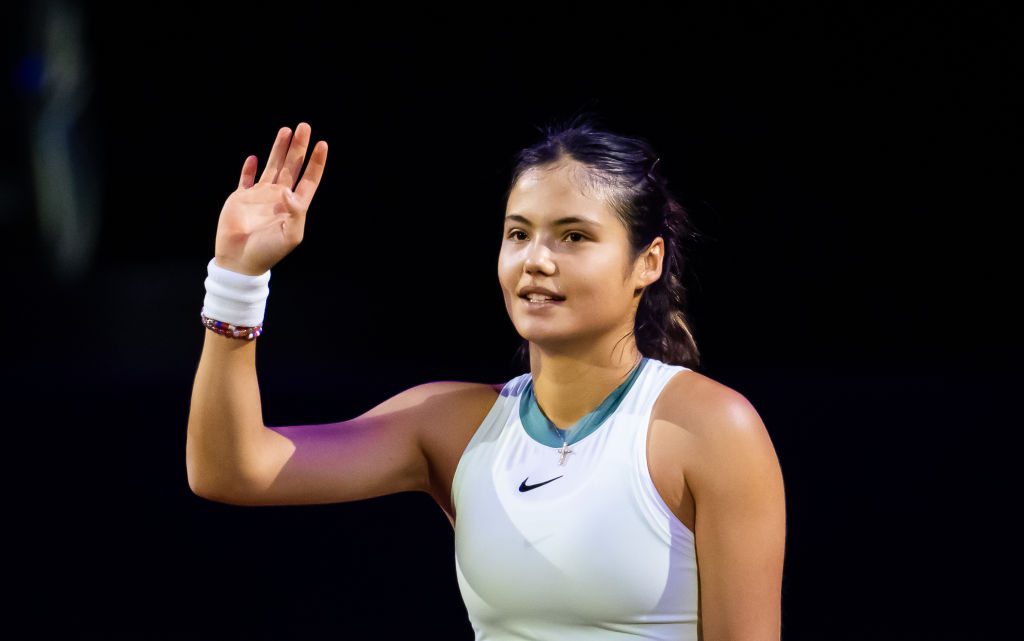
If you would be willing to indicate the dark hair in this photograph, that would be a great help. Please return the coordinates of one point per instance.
(624, 169)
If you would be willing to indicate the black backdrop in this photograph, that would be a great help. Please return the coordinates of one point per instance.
(853, 166)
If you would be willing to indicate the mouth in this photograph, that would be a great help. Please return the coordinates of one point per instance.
(540, 302)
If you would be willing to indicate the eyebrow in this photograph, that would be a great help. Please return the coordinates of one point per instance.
(561, 221)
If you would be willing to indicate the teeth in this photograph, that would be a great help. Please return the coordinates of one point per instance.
(537, 298)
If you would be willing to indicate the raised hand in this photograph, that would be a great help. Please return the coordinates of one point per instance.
(262, 222)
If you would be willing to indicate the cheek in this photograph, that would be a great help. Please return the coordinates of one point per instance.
(506, 278)
(600, 292)
(594, 283)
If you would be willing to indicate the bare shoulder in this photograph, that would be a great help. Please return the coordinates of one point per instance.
(440, 399)
(445, 410)
(721, 427)
(460, 409)
(705, 407)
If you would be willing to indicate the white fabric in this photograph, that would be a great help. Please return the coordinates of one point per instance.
(236, 298)
(595, 554)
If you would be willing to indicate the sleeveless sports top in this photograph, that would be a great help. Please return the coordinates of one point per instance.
(582, 550)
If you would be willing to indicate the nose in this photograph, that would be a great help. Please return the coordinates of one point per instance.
(538, 259)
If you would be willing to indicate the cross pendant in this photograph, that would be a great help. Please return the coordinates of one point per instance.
(562, 451)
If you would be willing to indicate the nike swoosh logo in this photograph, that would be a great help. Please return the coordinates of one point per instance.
(523, 487)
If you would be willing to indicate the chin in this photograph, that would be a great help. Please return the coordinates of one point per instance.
(542, 338)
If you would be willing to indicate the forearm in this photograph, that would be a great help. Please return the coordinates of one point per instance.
(225, 419)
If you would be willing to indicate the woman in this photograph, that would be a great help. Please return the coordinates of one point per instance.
(612, 491)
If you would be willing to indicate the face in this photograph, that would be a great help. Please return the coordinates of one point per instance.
(574, 245)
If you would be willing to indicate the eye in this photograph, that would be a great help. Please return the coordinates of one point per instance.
(512, 234)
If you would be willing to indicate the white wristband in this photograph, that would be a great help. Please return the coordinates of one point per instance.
(236, 298)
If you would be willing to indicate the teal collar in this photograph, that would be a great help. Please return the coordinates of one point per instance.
(542, 430)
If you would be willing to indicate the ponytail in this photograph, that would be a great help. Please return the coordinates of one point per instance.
(661, 329)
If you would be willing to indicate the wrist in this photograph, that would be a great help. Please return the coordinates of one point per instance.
(224, 263)
(235, 298)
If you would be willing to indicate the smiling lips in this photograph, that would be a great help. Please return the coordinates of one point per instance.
(539, 294)
(540, 302)
(536, 298)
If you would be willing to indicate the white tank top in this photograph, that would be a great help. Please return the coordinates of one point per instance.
(585, 550)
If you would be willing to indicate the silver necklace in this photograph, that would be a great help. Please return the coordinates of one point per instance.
(564, 450)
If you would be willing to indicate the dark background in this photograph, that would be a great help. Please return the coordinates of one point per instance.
(854, 167)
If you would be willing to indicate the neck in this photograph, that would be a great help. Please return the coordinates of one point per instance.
(569, 385)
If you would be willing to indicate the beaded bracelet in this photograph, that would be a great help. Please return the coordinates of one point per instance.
(229, 330)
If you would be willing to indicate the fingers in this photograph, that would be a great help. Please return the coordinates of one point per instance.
(296, 155)
(248, 173)
(277, 155)
(311, 178)
(285, 162)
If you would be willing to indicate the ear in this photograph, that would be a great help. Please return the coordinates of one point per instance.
(649, 264)
(652, 259)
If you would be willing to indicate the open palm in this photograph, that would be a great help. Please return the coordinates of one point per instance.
(262, 222)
